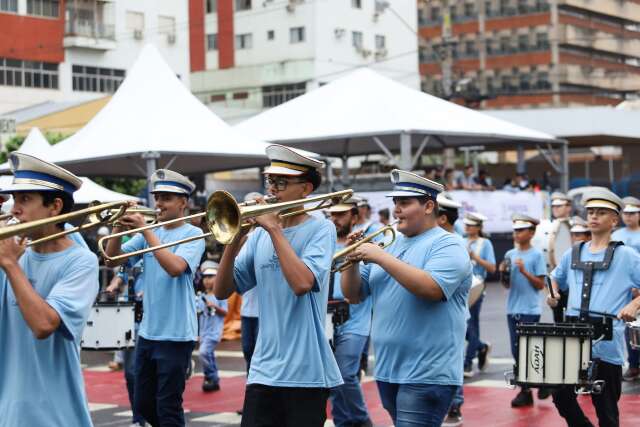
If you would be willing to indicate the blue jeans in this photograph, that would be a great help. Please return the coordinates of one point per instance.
(474, 344)
(458, 398)
(208, 359)
(160, 368)
(634, 355)
(129, 356)
(249, 337)
(411, 405)
(512, 319)
(347, 400)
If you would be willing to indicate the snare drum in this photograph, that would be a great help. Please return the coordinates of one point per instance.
(553, 354)
(633, 329)
(477, 289)
(110, 327)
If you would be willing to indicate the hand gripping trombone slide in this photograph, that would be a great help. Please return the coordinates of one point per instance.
(388, 229)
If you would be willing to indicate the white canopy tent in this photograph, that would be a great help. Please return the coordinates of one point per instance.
(37, 145)
(153, 121)
(365, 112)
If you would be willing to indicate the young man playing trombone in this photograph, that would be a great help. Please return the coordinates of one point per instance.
(419, 288)
(288, 261)
(45, 300)
(168, 330)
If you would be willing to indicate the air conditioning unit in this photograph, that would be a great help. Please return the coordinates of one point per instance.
(381, 53)
(339, 32)
(7, 125)
(364, 52)
(171, 38)
(138, 34)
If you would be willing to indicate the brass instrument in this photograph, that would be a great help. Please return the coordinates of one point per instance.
(5, 217)
(387, 229)
(225, 217)
(96, 215)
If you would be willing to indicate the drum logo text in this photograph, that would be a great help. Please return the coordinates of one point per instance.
(537, 358)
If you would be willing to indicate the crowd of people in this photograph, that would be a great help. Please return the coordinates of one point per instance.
(468, 179)
(429, 280)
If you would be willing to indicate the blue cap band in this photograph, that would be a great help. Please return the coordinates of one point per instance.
(412, 186)
(67, 187)
(173, 184)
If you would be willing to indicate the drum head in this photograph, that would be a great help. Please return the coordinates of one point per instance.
(477, 288)
(560, 241)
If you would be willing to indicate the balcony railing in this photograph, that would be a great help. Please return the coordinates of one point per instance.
(89, 28)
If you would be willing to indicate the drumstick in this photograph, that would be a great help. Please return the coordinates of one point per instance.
(548, 280)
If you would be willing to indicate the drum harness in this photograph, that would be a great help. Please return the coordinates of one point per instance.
(603, 323)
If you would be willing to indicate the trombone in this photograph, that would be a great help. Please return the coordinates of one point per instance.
(387, 229)
(225, 217)
(96, 214)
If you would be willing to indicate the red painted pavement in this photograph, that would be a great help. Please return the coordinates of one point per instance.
(484, 406)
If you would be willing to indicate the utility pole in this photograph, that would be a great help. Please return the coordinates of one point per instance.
(446, 65)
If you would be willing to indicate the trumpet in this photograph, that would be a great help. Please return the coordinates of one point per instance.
(96, 215)
(225, 218)
(5, 217)
(386, 230)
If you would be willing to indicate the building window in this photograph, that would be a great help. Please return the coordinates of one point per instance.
(356, 39)
(542, 41)
(488, 43)
(14, 72)
(167, 25)
(525, 82)
(296, 35)
(356, 4)
(96, 79)
(470, 48)
(48, 8)
(542, 81)
(523, 6)
(487, 8)
(9, 6)
(243, 5)
(212, 41)
(435, 14)
(212, 6)
(271, 35)
(469, 10)
(279, 94)
(523, 42)
(381, 42)
(244, 41)
(240, 95)
(505, 44)
(135, 23)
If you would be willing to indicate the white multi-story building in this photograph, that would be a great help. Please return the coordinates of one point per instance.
(260, 53)
(77, 50)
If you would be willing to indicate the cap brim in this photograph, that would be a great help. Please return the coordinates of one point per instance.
(279, 170)
(210, 272)
(631, 209)
(559, 202)
(597, 204)
(15, 188)
(580, 229)
(340, 208)
(466, 221)
(168, 189)
(522, 226)
(401, 193)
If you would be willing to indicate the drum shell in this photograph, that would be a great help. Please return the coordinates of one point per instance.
(553, 239)
(633, 330)
(476, 290)
(109, 327)
(553, 354)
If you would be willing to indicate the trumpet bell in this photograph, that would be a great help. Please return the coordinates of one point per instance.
(224, 218)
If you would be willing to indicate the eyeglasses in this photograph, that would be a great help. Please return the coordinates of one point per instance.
(279, 182)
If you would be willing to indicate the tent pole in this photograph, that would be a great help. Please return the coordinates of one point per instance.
(329, 173)
(520, 166)
(345, 165)
(405, 152)
(151, 157)
(564, 159)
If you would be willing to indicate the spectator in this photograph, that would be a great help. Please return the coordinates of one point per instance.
(483, 181)
(430, 172)
(467, 180)
(383, 216)
(449, 180)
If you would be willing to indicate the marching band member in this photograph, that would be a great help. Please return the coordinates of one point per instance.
(168, 330)
(483, 260)
(423, 279)
(615, 271)
(579, 230)
(350, 338)
(45, 301)
(528, 269)
(561, 211)
(288, 262)
(630, 236)
(365, 223)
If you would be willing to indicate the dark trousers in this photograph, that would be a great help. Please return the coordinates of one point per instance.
(160, 369)
(249, 337)
(606, 403)
(268, 406)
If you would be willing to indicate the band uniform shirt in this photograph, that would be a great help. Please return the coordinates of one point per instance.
(486, 253)
(76, 237)
(169, 303)
(211, 323)
(628, 237)
(359, 322)
(610, 292)
(292, 349)
(368, 228)
(417, 341)
(523, 298)
(249, 306)
(41, 380)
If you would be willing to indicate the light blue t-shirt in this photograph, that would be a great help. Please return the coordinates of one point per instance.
(523, 297)
(211, 324)
(609, 294)
(368, 227)
(486, 253)
(292, 349)
(417, 341)
(249, 307)
(169, 303)
(76, 237)
(458, 227)
(359, 322)
(628, 237)
(40, 380)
